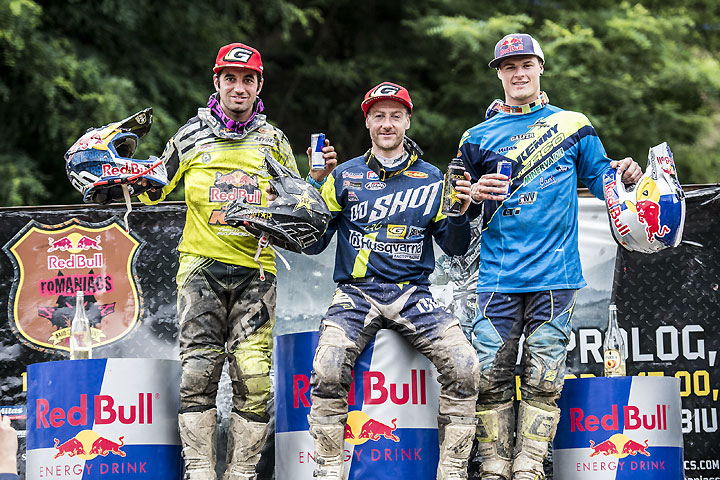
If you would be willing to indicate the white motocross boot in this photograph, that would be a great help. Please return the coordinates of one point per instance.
(537, 424)
(329, 439)
(456, 438)
(197, 434)
(495, 431)
(245, 441)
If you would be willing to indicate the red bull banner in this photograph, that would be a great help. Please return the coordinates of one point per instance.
(619, 428)
(103, 419)
(391, 431)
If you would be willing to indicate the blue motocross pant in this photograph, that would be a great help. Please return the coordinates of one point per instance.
(500, 320)
(356, 314)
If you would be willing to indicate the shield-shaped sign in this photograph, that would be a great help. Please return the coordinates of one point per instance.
(53, 262)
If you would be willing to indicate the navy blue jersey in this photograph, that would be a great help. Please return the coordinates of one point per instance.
(386, 224)
(530, 240)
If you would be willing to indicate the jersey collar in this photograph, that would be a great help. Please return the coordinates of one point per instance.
(384, 173)
(499, 106)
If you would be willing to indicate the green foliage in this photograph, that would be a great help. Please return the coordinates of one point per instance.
(643, 72)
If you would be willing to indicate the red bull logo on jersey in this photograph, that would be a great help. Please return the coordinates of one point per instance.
(235, 185)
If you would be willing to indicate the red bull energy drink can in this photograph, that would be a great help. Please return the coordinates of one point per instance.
(505, 168)
(317, 142)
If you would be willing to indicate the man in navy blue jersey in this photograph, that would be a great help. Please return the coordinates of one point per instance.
(529, 262)
(386, 207)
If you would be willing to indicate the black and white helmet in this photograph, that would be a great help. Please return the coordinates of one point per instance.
(100, 162)
(296, 219)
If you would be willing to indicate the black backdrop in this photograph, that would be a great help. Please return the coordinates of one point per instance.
(668, 307)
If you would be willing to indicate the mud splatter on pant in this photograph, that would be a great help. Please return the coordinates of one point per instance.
(358, 311)
(225, 311)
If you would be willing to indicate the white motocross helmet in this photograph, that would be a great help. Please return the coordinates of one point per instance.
(649, 216)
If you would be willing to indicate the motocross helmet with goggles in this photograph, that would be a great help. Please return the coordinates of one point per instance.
(649, 216)
(99, 163)
(296, 219)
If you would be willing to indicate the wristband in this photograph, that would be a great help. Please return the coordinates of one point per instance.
(315, 183)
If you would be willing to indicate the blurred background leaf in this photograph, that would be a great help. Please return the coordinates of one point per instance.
(643, 72)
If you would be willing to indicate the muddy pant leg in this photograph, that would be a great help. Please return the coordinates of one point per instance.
(251, 320)
(343, 335)
(201, 315)
(497, 327)
(437, 334)
(202, 350)
(341, 342)
(547, 333)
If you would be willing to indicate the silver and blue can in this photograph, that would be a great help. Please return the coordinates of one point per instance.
(317, 142)
(505, 168)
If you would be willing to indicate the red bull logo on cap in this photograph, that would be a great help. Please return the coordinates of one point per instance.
(511, 44)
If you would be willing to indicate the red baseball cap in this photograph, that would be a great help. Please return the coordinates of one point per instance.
(238, 55)
(386, 91)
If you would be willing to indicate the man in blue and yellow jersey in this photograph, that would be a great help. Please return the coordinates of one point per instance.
(529, 262)
(386, 210)
(224, 307)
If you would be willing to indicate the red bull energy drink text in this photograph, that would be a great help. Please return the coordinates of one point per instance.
(505, 168)
(317, 142)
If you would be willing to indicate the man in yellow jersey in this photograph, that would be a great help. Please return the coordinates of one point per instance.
(225, 309)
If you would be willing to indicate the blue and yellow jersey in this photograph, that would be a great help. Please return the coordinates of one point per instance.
(386, 224)
(218, 166)
(530, 240)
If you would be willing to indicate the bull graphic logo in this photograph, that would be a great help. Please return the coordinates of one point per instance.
(234, 185)
(74, 243)
(619, 446)
(87, 445)
(647, 207)
(368, 428)
(72, 447)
